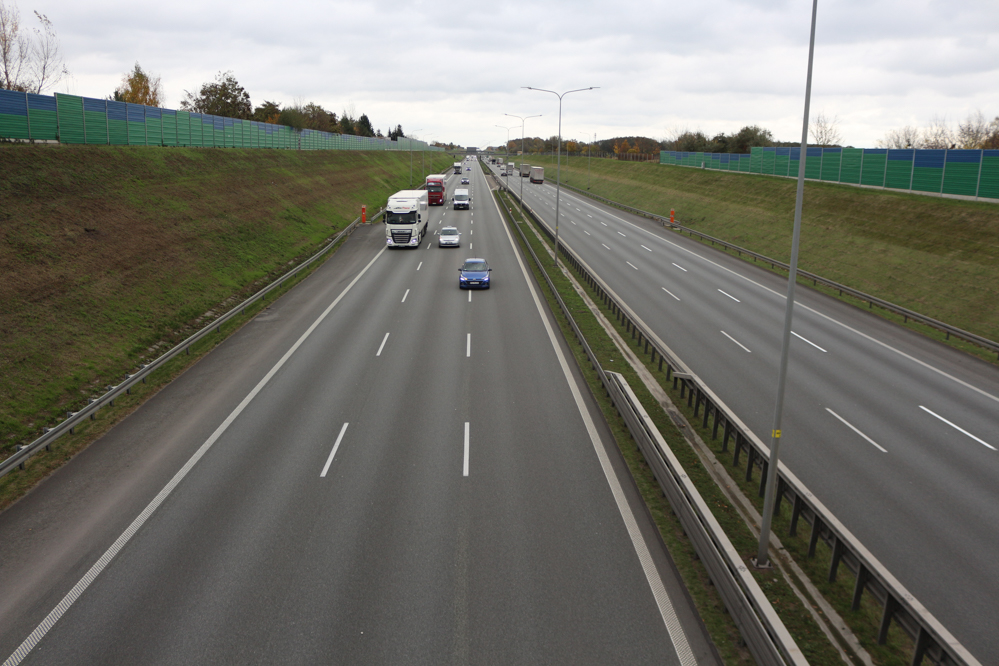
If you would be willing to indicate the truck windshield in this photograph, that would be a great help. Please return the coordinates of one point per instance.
(461, 197)
(433, 188)
(400, 218)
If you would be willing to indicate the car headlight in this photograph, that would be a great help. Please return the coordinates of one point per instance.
(462, 278)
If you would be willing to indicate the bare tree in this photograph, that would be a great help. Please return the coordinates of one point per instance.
(938, 135)
(973, 132)
(28, 65)
(825, 132)
(906, 137)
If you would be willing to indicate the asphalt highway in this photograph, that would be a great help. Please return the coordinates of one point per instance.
(896, 434)
(379, 468)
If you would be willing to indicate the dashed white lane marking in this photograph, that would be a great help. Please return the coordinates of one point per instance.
(851, 427)
(648, 248)
(418, 267)
(735, 341)
(464, 466)
(382, 345)
(468, 345)
(632, 265)
(604, 223)
(619, 233)
(405, 295)
(469, 295)
(730, 296)
(336, 446)
(671, 293)
(606, 246)
(680, 267)
(808, 341)
(958, 428)
(587, 232)
(469, 245)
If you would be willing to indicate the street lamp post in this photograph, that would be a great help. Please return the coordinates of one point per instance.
(507, 146)
(522, 151)
(589, 149)
(558, 171)
(410, 140)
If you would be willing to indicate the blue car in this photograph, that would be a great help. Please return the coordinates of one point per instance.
(474, 274)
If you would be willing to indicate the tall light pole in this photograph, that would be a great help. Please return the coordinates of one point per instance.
(423, 169)
(410, 140)
(589, 149)
(558, 171)
(507, 146)
(522, 120)
(762, 556)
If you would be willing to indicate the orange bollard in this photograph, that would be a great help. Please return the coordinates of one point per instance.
(364, 214)
(672, 216)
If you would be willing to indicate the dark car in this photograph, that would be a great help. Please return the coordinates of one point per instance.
(468, 168)
(474, 274)
(464, 181)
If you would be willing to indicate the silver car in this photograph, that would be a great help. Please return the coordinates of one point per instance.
(449, 237)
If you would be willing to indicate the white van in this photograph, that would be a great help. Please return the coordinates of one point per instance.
(461, 198)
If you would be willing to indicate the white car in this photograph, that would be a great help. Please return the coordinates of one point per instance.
(449, 237)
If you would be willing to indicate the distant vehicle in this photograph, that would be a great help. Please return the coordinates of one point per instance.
(464, 181)
(537, 175)
(435, 189)
(510, 166)
(457, 167)
(502, 173)
(474, 274)
(525, 170)
(461, 198)
(449, 237)
(468, 168)
(406, 218)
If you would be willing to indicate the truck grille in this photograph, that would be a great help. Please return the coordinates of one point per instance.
(401, 236)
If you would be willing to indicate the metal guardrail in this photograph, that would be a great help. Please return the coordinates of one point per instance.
(816, 279)
(931, 638)
(767, 639)
(74, 419)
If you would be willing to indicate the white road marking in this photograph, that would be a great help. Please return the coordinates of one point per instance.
(81, 586)
(670, 293)
(604, 223)
(851, 427)
(680, 267)
(605, 246)
(428, 245)
(731, 296)
(572, 222)
(808, 341)
(632, 265)
(405, 295)
(464, 466)
(468, 346)
(471, 231)
(648, 248)
(587, 232)
(469, 245)
(958, 428)
(336, 446)
(735, 341)
(622, 234)
(418, 267)
(382, 345)
(469, 295)
(589, 216)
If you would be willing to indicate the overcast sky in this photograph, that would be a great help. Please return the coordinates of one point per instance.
(452, 69)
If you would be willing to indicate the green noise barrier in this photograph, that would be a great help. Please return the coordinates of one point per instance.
(85, 120)
(954, 172)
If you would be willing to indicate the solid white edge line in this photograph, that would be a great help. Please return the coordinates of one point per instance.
(735, 341)
(26, 646)
(464, 466)
(382, 345)
(671, 293)
(808, 341)
(666, 610)
(957, 427)
(730, 296)
(405, 295)
(336, 446)
(854, 429)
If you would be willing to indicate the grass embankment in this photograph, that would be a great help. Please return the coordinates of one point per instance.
(939, 257)
(111, 255)
(814, 644)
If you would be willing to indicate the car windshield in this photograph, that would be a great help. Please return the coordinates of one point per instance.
(475, 266)
(449, 231)
(400, 218)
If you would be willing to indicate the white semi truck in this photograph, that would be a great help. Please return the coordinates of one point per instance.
(457, 167)
(525, 170)
(509, 168)
(406, 218)
(537, 174)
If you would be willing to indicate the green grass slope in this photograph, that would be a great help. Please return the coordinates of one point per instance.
(109, 255)
(939, 257)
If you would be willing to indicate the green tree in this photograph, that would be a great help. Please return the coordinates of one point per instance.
(268, 112)
(139, 87)
(223, 97)
(748, 137)
(363, 126)
(396, 133)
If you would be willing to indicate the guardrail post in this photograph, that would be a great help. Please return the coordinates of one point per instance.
(886, 615)
(764, 467)
(795, 513)
(837, 555)
(858, 588)
(750, 461)
(813, 540)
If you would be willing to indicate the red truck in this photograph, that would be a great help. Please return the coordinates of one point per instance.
(435, 190)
